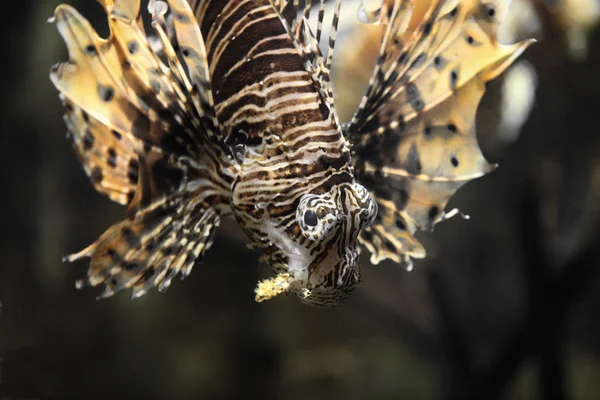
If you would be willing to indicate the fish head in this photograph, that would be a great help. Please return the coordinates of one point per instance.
(323, 265)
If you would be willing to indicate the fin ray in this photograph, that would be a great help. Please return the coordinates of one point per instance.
(414, 130)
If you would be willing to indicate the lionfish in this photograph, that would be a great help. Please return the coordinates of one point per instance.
(227, 110)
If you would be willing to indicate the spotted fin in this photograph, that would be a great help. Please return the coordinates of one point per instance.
(136, 94)
(144, 130)
(413, 134)
(169, 226)
(151, 247)
(108, 158)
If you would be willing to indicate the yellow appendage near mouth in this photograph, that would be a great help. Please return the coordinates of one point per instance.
(270, 288)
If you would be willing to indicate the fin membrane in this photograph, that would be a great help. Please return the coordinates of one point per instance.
(150, 247)
(413, 134)
(167, 229)
(142, 123)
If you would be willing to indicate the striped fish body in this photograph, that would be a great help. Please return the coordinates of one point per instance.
(288, 148)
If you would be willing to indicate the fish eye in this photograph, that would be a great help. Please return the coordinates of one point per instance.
(316, 215)
(311, 218)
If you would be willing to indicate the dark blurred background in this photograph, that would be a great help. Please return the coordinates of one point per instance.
(506, 305)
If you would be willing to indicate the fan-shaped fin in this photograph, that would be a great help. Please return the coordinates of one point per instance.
(93, 79)
(145, 134)
(150, 247)
(169, 225)
(392, 236)
(414, 132)
(136, 93)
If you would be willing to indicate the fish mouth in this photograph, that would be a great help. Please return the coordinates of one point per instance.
(326, 282)
(333, 272)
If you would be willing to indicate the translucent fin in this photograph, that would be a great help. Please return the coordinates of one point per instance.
(169, 226)
(144, 130)
(149, 248)
(108, 158)
(135, 92)
(414, 132)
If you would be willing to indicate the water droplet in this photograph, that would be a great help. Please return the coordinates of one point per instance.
(367, 17)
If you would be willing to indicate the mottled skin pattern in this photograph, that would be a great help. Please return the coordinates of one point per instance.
(231, 113)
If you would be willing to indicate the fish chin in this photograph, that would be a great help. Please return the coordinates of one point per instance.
(322, 296)
(309, 288)
(298, 267)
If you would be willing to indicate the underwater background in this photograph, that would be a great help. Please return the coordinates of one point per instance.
(506, 306)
